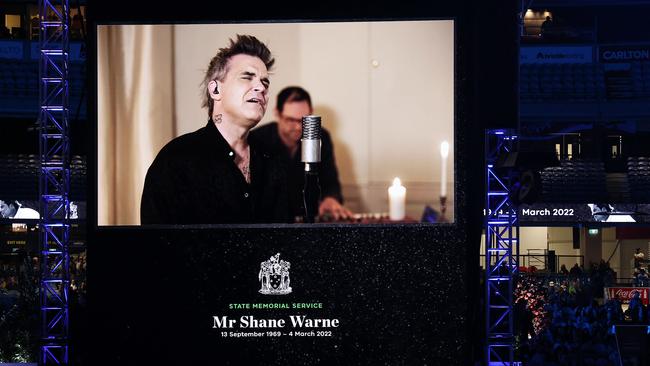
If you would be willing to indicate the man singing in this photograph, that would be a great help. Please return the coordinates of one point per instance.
(216, 174)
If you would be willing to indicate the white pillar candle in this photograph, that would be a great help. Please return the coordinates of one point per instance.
(444, 153)
(396, 200)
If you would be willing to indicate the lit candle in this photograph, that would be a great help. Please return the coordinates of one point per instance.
(396, 200)
(444, 152)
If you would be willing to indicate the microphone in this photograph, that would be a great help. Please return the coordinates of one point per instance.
(310, 144)
(310, 141)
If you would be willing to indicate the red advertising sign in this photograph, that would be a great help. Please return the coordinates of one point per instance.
(625, 294)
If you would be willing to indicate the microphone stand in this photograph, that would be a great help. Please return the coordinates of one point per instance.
(310, 155)
(311, 192)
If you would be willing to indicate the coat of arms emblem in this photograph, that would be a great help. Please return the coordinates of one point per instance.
(274, 276)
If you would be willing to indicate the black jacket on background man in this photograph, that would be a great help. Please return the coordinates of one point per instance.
(268, 136)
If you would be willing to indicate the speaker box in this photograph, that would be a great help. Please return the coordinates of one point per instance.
(550, 261)
(576, 238)
(633, 342)
(497, 62)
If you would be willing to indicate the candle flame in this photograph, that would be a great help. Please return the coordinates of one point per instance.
(444, 149)
(397, 182)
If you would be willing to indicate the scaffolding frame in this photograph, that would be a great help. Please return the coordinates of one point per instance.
(501, 251)
(54, 181)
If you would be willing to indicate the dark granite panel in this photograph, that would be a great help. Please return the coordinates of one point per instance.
(397, 291)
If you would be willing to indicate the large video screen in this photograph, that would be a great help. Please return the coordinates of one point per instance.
(593, 173)
(384, 91)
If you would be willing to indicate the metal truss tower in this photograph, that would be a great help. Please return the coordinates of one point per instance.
(501, 251)
(54, 142)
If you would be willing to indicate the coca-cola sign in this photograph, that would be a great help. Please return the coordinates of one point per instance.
(625, 294)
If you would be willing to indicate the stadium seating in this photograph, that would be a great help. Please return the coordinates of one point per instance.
(22, 183)
(638, 170)
(575, 181)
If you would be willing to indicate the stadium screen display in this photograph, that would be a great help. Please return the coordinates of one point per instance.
(579, 172)
(385, 92)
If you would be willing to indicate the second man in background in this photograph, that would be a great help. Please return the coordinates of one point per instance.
(284, 136)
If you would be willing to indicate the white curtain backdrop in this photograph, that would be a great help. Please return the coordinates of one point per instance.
(135, 113)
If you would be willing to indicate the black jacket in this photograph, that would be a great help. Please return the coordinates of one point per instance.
(194, 180)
